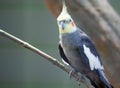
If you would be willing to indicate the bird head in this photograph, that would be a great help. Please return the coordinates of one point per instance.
(65, 21)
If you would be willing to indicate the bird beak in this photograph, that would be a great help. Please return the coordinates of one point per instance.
(63, 25)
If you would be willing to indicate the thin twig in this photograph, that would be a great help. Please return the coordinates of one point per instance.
(43, 54)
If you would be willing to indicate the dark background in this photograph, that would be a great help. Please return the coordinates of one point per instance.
(32, 22)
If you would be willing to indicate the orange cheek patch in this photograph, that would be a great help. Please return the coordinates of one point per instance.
(73, 24)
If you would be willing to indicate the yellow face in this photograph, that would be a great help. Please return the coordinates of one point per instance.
(66, 26)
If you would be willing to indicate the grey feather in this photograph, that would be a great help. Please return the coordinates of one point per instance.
(72, 45)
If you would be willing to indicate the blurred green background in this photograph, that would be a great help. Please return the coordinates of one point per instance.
(31, 21)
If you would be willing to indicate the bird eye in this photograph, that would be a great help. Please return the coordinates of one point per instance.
(70, 20)
(64, 21)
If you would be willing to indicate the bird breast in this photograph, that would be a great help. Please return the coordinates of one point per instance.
(70, 48)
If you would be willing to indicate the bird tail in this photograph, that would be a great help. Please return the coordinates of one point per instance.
(99, 81)
(104, 79)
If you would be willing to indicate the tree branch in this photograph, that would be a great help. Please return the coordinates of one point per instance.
(45, 56)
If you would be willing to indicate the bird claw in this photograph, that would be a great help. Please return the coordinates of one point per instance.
(72, 72)
(79, 79)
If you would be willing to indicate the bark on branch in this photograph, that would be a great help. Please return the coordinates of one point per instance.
(53, 60)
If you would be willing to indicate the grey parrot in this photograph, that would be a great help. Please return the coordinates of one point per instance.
(78, 50)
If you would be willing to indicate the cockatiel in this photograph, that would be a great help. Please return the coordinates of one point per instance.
(78, 50)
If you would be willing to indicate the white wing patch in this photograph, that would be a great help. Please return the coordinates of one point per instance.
(93, 60)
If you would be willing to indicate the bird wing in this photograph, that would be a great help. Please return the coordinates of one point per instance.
(89, 53)
(64, 58)
(90, 56)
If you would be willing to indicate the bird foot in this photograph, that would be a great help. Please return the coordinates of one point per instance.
(80, 79)
(72, 72)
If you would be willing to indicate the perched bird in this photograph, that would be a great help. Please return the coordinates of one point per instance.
(78, 50)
